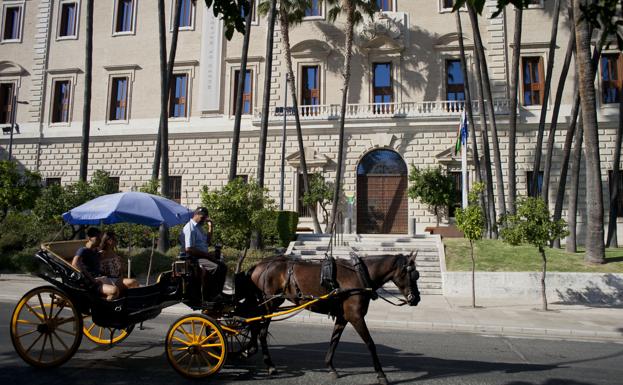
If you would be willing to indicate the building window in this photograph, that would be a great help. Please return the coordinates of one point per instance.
(535, 3)
(178, 99)
(620, 195)
(243, 14)
(314, 8)
(68, 19)
(175, 188)
(310, 90)
(187, 13)
(124, 16)
(118, 99)
(303, 211)
(385, 5)
(611, 71)
(12, 23)
(244, 178)
(382, 93)
(447, 5)
(532, 70)
(247, 92)
(458, 191)
(6, 99)
(61, 101)
(52, 182)
(114, 183)
(455, 83)
(529, 176)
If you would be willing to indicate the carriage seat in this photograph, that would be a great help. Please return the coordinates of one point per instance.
(63, 250)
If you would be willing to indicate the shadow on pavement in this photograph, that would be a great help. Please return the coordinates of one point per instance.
(594, 295)
(553, 381)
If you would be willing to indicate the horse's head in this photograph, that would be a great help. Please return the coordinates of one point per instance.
(405, 277)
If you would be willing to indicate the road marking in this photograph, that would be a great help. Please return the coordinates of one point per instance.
(515, 350)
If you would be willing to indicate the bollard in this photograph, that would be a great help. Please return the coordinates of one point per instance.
(348, 225)
(412, 224)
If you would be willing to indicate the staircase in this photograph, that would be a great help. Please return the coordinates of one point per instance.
(312, 246)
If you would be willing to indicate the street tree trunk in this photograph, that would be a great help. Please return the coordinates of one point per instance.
(572, 211)
(492, 218)
(543, 272)
(471, 246)
(547, 167)
(614, 182)
(595, 250)
(486, 87)
(544, 104)
(285, 31)
(350, 25)
(242, 76)
(88, 81)
(512, 129)
(268, 71)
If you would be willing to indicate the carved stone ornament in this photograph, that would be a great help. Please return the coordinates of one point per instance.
(381, 139)
(384, 29)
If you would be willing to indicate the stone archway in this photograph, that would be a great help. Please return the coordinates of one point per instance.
(382, 202)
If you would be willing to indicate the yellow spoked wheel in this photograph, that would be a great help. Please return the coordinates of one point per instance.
(46, 328)
(196, 346)
(102, 335)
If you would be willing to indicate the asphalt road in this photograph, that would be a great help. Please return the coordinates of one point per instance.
(298, 351)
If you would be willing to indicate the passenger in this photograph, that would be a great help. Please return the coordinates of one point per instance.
(111, 264)
(195, 245)
(87, 261)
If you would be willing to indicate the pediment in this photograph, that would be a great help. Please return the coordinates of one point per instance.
(9, 68)
(312, 157)
(311, 48)
(448, 156)
(384, 43)
(450, 41)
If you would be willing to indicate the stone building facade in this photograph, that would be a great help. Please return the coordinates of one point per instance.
(404, 100)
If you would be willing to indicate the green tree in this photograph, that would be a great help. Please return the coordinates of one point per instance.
(18, 189)
(532, 224)
(471, 221)
(237, 210)
(320, 194)
(433, 187)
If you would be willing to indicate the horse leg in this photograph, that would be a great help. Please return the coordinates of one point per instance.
(265, 353)
(362, 329)
(340, 324)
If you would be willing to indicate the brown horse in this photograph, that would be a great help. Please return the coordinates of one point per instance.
(280, 278)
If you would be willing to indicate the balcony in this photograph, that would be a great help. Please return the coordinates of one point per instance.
(407, 110)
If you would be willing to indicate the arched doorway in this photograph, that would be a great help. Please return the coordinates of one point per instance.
(382, 203)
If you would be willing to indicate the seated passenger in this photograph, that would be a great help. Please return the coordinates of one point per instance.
(194, 244)
(111, 264)
(87, 260)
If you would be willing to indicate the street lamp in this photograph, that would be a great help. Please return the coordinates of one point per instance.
(14, 126)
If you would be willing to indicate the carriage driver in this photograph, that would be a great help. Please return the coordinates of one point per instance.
(195, 243)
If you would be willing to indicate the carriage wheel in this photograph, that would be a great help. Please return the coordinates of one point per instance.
(102, 335)
(196, 346)
(238, 336)
(46, 327)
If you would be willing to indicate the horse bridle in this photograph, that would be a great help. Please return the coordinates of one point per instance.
(414, 275)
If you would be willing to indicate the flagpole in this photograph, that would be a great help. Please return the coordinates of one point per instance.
(464, 138)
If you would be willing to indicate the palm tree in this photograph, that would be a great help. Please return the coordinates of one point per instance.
(512, 129)
(268, 70)
(572, 211)
(486, 87)
(355, 11)
(88, 80)
(547, 167)
(614, 182)
(291, 13)
(595, 250)
(242, 75)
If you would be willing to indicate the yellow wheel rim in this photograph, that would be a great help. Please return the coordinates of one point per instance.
(101, 335)
(196, 346)
(45, 327)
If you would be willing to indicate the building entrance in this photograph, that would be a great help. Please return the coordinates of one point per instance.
(382, 203)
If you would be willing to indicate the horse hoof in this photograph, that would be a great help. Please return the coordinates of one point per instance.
(333, 374)
(383, 380)
(272, 371)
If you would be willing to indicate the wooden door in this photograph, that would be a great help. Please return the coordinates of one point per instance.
(382, 205)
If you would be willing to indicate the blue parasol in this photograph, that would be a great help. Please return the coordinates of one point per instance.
(134, 207)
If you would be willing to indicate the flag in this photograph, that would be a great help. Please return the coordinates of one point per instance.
(461, 140)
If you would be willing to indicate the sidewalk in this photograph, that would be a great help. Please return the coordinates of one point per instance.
(510, 317)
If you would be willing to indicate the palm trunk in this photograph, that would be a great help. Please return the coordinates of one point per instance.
(350, 25)
(543, 272)
(268, 71)
(242, 76)
(548, 83)
(572, 211)
(547, 167)
(163, 238)
(595, 250)
(614, 183)
(512, 129)
(88, 81)
(492, 218)
(486, 86)
(471, 246)
(285, 31)
(470, 112)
